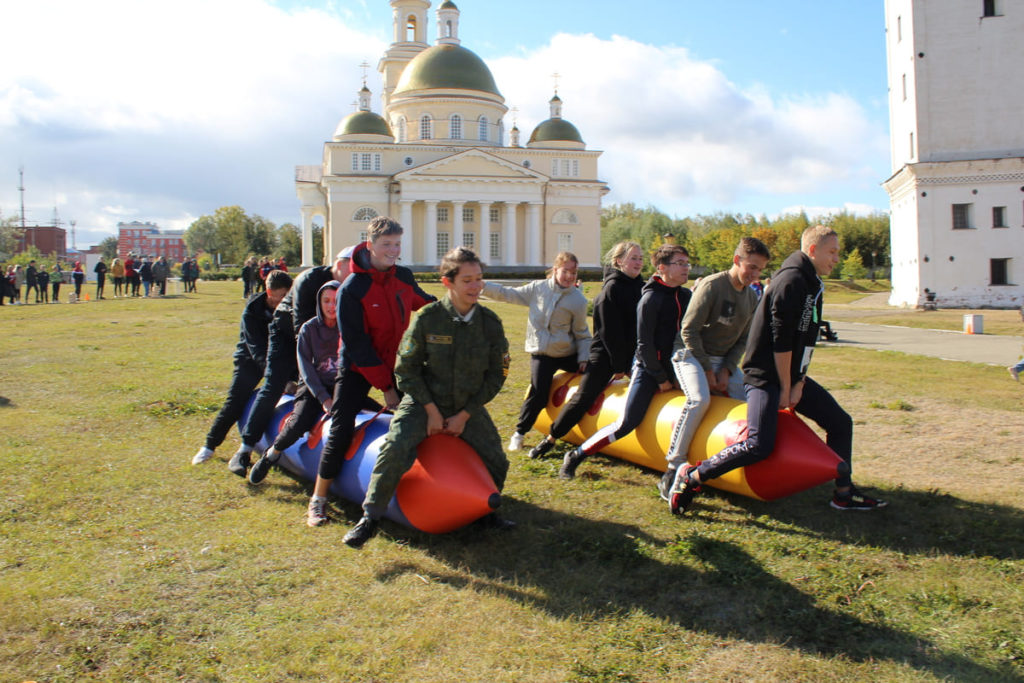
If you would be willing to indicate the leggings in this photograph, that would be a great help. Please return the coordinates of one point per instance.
(762, 424)
(594, 381)
(542, 369)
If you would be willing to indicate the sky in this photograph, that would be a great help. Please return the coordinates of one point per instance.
(122, 110)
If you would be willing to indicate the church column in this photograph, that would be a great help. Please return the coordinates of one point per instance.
(405, 219)
(533, 246)
(307, 237)
(483, 248)
(509, 228)
(457, 228)
(430, 234)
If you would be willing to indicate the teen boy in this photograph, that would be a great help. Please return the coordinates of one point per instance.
(453, 360)
(779, 349)
(707, 353)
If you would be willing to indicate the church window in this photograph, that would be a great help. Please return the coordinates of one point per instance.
(565, 217)
(469, 240)
(999, 217)
(468, 214)
(455, 127)
(482, 134)
(565, 241)
(366, 163)
(555, 166)
(495, 248)
(988, 8)
(402, 131)
(355, 161)
(410, 29)
(999, 269)
(426, 127)
(962, 216)
(364, 236)
(442, 214)
(527, 164)
(443, 244)
(376, 162)
(501, 132)
(448, 29)
(495, 216)
(365, 213)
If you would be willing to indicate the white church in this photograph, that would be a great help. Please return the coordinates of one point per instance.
(956, 108)
(437, 160)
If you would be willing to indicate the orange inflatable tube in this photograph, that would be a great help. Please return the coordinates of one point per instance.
(801, 460)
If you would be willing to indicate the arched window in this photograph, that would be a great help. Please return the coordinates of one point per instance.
(483, 128)
(402, 132)
(365, 213)
(410, 29)
(455, 127)
(448, 29)
(565, 217)
(426, 127)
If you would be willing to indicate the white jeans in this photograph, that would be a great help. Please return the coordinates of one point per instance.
(694, 383)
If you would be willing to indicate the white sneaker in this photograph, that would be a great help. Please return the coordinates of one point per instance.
(315, 515)
(202, 456)
(516, 442)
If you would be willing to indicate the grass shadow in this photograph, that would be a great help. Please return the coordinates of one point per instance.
(576, 568)
(914, 522)
(7, 403)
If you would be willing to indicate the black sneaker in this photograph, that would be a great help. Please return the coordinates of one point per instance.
(541, 449)
(856, 500)
(681, 497)
(361, 532)
(571, 461)
(239, 463)
(665, 487)
(262, 467)
(493, 521)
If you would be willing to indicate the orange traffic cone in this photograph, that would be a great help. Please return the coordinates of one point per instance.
(85, 296)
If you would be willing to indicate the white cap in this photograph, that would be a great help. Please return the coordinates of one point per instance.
(345, 253)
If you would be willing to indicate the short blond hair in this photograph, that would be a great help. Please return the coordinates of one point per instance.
(815, 235)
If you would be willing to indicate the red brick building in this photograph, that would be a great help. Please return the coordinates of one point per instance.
(146, 239)
(48, 239)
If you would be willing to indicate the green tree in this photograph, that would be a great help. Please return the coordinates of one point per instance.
(10, 236)
(289, 244)
(261, 237)
(109, 247)
(228, 232)
(318, 245)
(853, 266)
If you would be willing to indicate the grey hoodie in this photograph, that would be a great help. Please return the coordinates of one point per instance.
(317, 350)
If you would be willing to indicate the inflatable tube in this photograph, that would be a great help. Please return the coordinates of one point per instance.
(447, 487)
(800, 461)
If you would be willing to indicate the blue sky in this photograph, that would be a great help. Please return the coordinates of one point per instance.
(164, 112)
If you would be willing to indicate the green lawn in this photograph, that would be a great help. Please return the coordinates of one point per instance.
(121, 561)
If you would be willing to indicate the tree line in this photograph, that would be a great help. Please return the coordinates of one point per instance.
(711, 239)
(234, 235)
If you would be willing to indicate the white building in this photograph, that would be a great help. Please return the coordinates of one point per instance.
(437, 161)
(956, 108)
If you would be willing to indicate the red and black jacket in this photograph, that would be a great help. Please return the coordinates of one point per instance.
(374, 308)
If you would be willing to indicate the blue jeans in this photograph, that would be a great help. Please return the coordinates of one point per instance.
(694, 383)
(762, 422)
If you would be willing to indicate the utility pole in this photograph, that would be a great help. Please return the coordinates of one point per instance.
(74, 245)
(21, 189)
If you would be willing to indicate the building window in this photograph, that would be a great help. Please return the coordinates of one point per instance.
(364, 236)
(495, 216)
(469, 240)
(365, 213)
(455, 127)
(376, 162)
(565, 241)
(495, 249)
(367, 162)
(402, 130)
(426, 127)
(999, 217)
(468, 214)
(442, 214)
(565, 217)
(355, 161)
(988, 8)
(1000, 269)
(482, 133)
(962, 216)
(566, 168)
(443, 244)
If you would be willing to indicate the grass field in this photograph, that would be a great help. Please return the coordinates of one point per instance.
(121, 561)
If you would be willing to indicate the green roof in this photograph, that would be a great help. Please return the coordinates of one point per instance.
(448, 4)
(363, 123)
(447, 67)
(555, 130)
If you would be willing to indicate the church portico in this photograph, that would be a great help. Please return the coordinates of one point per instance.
(437, 159)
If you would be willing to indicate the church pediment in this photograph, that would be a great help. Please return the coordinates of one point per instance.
(473, 163)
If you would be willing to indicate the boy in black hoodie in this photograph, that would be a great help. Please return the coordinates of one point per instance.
(659, 314)
(779, 348)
